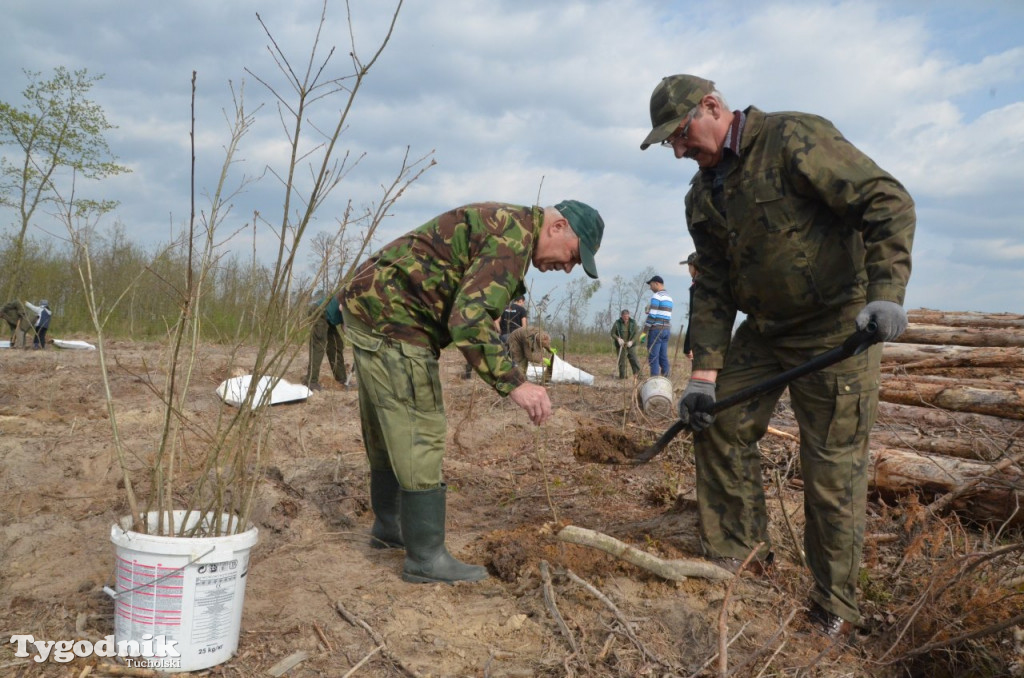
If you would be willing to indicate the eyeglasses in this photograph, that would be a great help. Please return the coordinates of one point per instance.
(680, 134)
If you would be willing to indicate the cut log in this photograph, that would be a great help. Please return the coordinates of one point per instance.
(981, 447)
(938, 421)
(952, 394)
(998, 498)
(917, 356)
(978, 445)
(962, 336)
(927, 316)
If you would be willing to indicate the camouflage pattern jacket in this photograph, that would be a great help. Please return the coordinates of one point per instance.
(802, 232)
(529, 345)
(447, 281)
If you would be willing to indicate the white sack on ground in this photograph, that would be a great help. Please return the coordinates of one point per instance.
(232, 391)
(74, 343)
(561, 373)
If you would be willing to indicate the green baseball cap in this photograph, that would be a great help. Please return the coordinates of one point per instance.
(672, 100)
(588, 226)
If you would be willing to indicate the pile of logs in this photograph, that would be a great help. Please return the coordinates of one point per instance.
(951, 414)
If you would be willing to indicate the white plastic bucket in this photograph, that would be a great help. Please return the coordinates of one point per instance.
(656, 397)
(187, 589)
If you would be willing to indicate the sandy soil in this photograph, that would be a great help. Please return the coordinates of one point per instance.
(512, 487)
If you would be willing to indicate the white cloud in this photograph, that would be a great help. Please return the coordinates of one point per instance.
(510, 92)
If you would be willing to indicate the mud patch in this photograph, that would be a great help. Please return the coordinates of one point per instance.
(603, 445)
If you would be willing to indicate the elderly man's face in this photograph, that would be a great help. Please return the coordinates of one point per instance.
(557, 248)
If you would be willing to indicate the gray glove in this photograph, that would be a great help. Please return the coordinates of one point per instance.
(889, 316)
(697, 399)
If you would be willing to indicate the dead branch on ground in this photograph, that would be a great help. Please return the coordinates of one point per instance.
(675, 570)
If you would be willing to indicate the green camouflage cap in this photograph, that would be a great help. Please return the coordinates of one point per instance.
(588, 226)
(673, 98)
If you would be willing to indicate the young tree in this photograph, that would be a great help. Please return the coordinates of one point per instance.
(57, 138)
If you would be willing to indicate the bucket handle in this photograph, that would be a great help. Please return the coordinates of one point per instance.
(115, 595)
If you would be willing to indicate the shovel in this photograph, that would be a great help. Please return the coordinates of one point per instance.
(858, 342)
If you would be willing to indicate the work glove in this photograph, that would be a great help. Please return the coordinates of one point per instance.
(629, 344)
(697, 399)
(619, 339)
(889, 316)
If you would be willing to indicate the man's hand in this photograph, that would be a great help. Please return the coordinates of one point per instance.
(889, 316)
(629, 344)
(619, 339)
(697, 399)
(534, 399)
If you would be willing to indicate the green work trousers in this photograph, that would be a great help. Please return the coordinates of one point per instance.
(401, 408)
(624, 353)
(324, 338)
(835, 409)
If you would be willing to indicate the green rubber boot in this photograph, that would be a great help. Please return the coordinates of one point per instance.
(426, 558)
(385, 497)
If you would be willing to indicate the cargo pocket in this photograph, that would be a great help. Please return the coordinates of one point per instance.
(855, 403)
(363, 340)
(416, 381)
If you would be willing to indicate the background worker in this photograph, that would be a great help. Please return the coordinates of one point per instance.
(806, 235)
(512, 318)
(531, 345)
(325, 338)
(691, 264)
(42, 323)
(624, 332)
(658, 327)
(445, 283)
(20, 320)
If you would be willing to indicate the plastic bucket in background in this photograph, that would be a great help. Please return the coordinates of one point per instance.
(656, 397)
(186, 589)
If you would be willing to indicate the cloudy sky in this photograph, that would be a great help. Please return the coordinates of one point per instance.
(516, 97)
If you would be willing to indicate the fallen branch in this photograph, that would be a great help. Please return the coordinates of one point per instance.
(362, 661)
(356, 621)
(956, 640)
(781, 434)
(618, 615)
(766, 645)
(549, 600)
(675, 570)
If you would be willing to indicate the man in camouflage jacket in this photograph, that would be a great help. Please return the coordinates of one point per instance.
(20, 320)
(531, 345)
(445, 283)
(800, 230)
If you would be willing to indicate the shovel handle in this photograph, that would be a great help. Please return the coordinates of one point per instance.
(856, 343)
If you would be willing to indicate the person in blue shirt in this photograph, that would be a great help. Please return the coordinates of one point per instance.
(658, 327)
